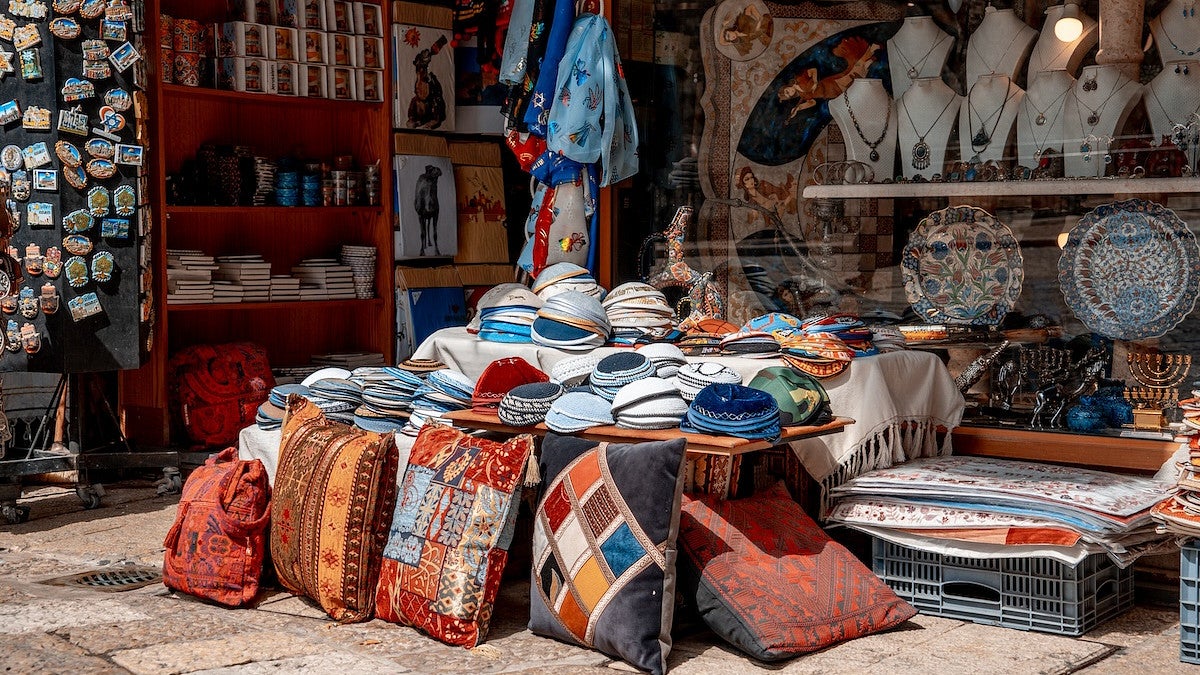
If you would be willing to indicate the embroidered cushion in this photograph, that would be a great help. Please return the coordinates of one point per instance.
(604, 547)
(769, 581)
(333, 496)
(450, 533)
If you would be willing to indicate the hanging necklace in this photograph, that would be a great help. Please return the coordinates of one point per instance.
(1180, 133)
(1041, 144)
(1040, 119)
(915, 69)
(1162, 25)
(920, 150)
(992, 68)
(887, 121)
(981, 139)
(1096, 113)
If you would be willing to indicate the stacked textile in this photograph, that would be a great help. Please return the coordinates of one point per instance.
(337, 398)
(694, 377)
(649, 403)
(577, 411)
(506, 314)
(888, 339)
(572, 321)
(636, 309)
(499, 378)
(818, 354)
(270, 413)
(528, 404)
(617, 370)
(443, 391)
(667, 358)
(1180, 513)
(846, 327)
(978, 507)
(753, 344)
(733, 410)
(386, 398)
(574, 370)
(564, 276)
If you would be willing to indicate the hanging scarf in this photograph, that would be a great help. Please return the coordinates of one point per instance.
(536, 35)
(516, 43)
(592, 117)
(542, 96)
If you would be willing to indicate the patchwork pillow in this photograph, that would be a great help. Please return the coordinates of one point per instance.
(769, 581)
(450, 534)
(604, 547)
(334, 492)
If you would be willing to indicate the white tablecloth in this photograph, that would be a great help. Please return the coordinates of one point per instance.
(897, 400)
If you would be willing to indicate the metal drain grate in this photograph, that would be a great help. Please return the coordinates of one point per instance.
(112, 580)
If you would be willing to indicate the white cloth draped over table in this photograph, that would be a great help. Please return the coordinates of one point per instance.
(898, 401)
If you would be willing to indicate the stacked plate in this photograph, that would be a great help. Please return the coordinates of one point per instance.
(361, 260)
(635, 309)
(442, 391)
(563, 277)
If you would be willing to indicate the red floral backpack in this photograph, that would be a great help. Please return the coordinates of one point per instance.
(216, 389)
(216, 547)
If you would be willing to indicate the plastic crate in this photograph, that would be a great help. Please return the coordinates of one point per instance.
(1038, 594)
(1189, 602)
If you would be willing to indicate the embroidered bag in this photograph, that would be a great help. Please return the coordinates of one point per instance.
(216, 389)
(216, 546)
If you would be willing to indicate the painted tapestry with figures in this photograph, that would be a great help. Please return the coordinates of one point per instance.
(770, 71)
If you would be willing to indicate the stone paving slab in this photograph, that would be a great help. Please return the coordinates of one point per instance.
(316, 664)
(47, 654)
(193, 655)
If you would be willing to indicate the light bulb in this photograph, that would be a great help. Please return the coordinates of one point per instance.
(1068, 28)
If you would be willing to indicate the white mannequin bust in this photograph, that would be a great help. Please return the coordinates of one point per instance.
(1050, 54)
(872, 107)
(918, 49)
(1095, 111)
(987, 117)
(1040, 117)
(926, 115)
(1176, 31)
(1173, 98)
(999, 46)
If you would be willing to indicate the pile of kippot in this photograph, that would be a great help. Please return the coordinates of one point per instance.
(696, 376)
(528, 404)
(617, 370)
(564, 276)
(577, 411)
(733, 410)
(506, 314)
(649, 403)
(571, 321)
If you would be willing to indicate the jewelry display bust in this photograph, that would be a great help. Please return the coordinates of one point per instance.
(864, 114)
(926, 115)
(1173, 101)
(999, 46)
(1095, 112)
(918, 49)
(1040, 117)
(1051, 54)
(987, 117)
(1176, 31)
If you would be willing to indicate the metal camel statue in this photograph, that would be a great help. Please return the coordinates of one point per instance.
(705, 298)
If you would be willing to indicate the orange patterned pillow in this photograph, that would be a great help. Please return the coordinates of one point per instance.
(333, 497)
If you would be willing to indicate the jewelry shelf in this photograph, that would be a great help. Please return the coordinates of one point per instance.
(1011, 188)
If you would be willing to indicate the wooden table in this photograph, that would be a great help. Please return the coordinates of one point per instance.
(700, 444)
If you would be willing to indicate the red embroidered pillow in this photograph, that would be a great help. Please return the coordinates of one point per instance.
(768, 580)
(450, 533)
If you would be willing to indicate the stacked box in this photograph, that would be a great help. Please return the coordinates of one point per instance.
(1189, 602)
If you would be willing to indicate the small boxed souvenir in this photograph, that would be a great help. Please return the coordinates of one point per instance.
(311, 81)
(342, 18)
(285, 74)
(313, 46)
(369, 52)
(287, 13)
(368, 19)
(342, 83)
(342, 50)
(313, 14)
(244, 74)
(369, 85)
(253, 11)
(240, 38)
(283, 43)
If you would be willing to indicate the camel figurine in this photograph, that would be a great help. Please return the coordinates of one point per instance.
(703, 295)
(1055, 398)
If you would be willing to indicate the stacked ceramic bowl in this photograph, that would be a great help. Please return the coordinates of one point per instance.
(442, 391)
(571, 321)
(563, 277)
(361, 260)
(635, 309)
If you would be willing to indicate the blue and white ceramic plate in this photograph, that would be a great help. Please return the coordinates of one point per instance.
(1130, 270)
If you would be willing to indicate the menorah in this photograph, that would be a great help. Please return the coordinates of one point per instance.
(1159, 376)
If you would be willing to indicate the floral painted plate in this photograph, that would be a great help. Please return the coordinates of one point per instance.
(1130, 270)
(962, 266)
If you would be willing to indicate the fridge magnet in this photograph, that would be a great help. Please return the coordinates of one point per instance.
(8, 28)
(73, 121)
(6, 63)
(118, 10)
(21, 185)
(13, 334)
(8, 304)
(97, 70)
(31, 339)
(31, 64)
(27, 302)
(103, 265)
(52, 267)
(67, 6)
(11, 157)
(77, 244)
(95, 50)
(45, 180)
(76, 177)
(36, 118)
(75, 89)
(28, 9)
(124, 56)
(10, 112)
(91, 9)
(65, 28)
(101, 169)
(76, 221)
(114, 31)
(114, 228)
(77, 272)
(84, 306)
(111, 120)
(33, 261)
(37, 155)
(101, 148)
(49, 299)
(99, 201)
(130, 155)
(118, 99)
(125, 200)
(40, 214)
(26, 37)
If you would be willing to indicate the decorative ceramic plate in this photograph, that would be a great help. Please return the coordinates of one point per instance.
(962, 266)
(1130, 270)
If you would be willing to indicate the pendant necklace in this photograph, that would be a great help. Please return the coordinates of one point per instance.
(1094, 118)
(979, 53)
(914, 69)
(1041, 144)
(1162, 25)
(981, 139)
(887, 121)
(1180, 133)
(920, 150)
(1040, 119)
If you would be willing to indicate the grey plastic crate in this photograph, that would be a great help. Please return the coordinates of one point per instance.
(1038, 594)
(1189, 602)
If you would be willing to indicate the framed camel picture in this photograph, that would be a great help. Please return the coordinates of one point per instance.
(424, 68)
(426, 223)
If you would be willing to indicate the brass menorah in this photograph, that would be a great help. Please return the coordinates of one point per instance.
(1040, 364)
(1159, 376)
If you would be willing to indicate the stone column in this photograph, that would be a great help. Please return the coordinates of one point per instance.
(1121, 24)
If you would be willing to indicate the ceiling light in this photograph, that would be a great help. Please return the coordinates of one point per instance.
(1069, 27)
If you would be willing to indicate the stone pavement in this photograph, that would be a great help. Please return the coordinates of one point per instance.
(54, 629)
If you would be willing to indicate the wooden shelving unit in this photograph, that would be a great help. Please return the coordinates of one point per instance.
(184, 118)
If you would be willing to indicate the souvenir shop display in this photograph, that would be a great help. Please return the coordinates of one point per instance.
(918, 50)
(871, 131)
(923, 143)
(1176, 31)
(1040, 121)
(235, 175)
(1095, 111)
(987, 118)
(999, 45)
(75, 121)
